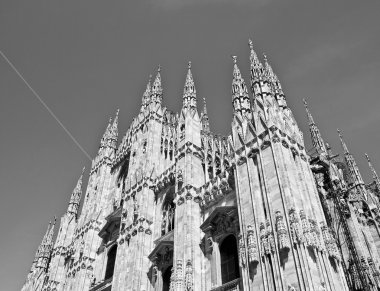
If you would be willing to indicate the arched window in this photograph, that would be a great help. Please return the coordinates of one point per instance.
(111, 262)
(166, 276)
(229, 259)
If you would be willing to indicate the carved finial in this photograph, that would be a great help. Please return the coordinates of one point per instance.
(159, 68)
(265, 57)
(234, 58)
(374, 174)
(304, 102)
(342, 141)
(189, 64)
(250, 43)
(204, 106)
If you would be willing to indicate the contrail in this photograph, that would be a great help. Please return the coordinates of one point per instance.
(45, 105)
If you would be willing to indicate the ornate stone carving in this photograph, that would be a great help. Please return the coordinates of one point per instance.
(179, 275)
(242, 255)
(270, 236)
(224, 225)
(295, 226)
(330, 243)
(172, 280)
(282, 233)
(253, 252)
(264, 240)
(189, 286)
(308, 239)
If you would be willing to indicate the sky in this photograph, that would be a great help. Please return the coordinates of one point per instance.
(87, 58)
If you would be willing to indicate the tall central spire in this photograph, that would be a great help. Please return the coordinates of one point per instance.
(156, 95)
(374, 174)
(240, 97)
(189, 92)
(316, 137)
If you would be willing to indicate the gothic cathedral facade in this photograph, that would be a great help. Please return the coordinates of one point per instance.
(175, 207)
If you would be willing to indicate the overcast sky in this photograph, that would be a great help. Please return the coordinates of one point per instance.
(87, 58)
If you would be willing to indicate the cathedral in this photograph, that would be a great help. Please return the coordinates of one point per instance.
(174, 206)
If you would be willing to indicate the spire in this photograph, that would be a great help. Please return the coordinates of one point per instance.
(103, 141)
(256, 66)
(374, 174)
(204, 118)
(110, 135)
(39, 261)
(76, 196)
(49, 240)
(47, 247)
(146, 96)
(189, 92)
(355, 176)
(271, 76)
(204, 107)
(114, 132)
(240, 97)
(43, 242)
(156, 93)
(345, 148)
(275, 84)
(316, 137)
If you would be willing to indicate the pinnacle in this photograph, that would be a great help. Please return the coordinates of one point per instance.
(157, 89)
(310, 117)
(236, 72)
(304, 102)
(146, 95)
(238, 80)
(189, 91)
(253, 56)
(342, 141)
(204, 106)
